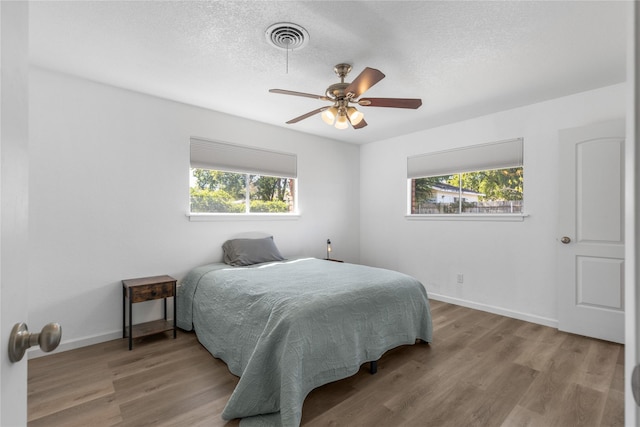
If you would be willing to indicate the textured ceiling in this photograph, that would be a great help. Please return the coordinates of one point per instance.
(463, 58)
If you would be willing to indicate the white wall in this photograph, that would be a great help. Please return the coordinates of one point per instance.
(508, 267)
(109, 195)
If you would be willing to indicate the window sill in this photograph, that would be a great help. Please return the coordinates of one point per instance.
(468, 217)
(205, 217)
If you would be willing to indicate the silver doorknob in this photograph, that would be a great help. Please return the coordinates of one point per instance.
(565, 240)
(635, 384)
(20, 339)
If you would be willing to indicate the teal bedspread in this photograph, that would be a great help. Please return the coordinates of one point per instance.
(286, 328)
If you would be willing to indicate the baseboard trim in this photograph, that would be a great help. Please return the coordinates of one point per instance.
(553, 323)
(35, 352)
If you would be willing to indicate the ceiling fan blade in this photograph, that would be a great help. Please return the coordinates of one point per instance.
(367, 78)
(359, 125)
(391, 102)
(306, 95)
(304, 116)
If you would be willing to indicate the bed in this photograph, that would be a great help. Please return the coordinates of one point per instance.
(286, 327)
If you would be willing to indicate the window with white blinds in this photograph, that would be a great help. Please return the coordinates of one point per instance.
(478, 179)
(237, 179)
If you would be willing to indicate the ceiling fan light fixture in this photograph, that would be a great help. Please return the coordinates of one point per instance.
(342, 122)
(329, 115)
(355, 116)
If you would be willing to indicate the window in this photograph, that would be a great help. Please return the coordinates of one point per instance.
(234, 179)
(481, 179)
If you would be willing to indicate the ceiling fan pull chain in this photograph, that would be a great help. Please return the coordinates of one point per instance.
(287, 42)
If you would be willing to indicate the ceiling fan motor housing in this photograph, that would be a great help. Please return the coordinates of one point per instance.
(337, 91)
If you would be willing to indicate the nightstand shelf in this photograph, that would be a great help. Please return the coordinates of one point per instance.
(147, 289)
(149, 328)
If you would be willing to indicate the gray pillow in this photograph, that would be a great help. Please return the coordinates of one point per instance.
(250, 251)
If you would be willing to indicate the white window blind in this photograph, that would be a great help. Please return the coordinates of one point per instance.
(494, 155)
(242, 159)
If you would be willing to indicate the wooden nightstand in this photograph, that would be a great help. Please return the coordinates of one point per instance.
(147, 289)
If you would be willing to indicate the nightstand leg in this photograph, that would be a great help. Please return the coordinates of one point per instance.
(130, 324)
(174, 311)
(124, 313)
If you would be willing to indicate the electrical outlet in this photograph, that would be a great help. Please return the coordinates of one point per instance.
(460, 278)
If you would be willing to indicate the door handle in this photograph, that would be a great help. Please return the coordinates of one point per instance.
(566, 240)
(20, 339)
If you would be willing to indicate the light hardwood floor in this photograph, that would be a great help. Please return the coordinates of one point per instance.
(481, 370)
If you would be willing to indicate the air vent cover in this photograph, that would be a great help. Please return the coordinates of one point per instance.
(287, 36)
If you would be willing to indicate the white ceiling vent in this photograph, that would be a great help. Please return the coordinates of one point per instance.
(287, 36)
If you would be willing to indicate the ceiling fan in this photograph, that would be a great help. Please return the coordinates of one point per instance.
(342, 95)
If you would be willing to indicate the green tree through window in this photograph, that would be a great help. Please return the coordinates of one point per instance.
(214, 191)
(484, 192)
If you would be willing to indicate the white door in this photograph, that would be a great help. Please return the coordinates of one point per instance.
(632, 358)
(591, 231)
(13, 203)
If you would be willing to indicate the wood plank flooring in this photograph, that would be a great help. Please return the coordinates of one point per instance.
(481, 370)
